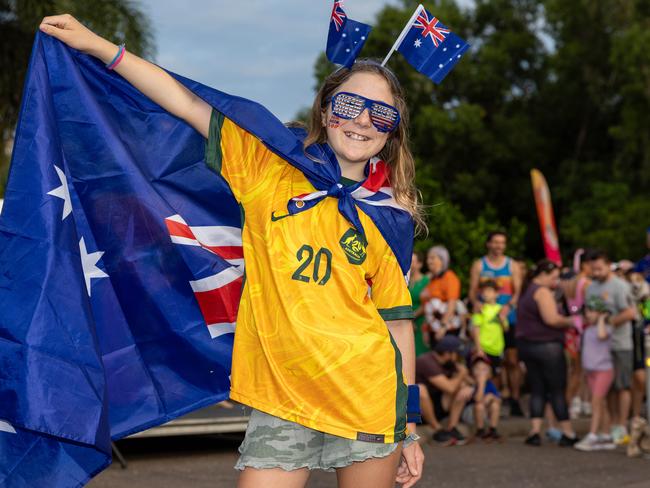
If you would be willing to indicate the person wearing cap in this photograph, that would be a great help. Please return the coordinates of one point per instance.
(444, 391)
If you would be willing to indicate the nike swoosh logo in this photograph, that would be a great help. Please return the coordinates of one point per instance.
(275, 219)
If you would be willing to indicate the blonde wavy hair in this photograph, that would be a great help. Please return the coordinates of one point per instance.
(396, 153)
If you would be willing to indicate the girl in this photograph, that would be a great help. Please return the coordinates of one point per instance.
(323, 363)
(599, 368)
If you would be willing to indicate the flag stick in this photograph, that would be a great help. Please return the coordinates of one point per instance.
(402, 35)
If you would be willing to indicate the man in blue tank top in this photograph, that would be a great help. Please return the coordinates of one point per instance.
(495, 265)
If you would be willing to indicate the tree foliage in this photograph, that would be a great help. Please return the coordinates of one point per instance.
(118, 20)
(559, 86)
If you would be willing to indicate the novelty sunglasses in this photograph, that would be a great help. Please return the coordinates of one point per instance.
(384, 117)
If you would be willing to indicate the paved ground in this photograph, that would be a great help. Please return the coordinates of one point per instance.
(199, 462)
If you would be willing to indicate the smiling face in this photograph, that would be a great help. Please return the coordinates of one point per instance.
(355, 141)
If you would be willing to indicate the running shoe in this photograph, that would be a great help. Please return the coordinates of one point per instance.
(605, 442)
(442, 436)
(459, 439)
(493, 434)
(589, 443)
(617, 433)
(481, 433)
(533, 440)
(566, 441)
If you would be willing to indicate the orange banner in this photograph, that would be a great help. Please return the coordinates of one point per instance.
(546, 218)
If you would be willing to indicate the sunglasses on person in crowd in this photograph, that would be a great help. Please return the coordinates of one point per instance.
(384, 117)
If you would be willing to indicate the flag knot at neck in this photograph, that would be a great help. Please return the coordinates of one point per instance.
(336, 190)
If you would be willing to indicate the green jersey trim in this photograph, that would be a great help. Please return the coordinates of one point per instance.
(403, 312)
(213, 154)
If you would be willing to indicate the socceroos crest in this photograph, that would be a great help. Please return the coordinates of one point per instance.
(354, 245)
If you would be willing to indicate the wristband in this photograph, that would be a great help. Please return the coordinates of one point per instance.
(413, 405)
(118, 57)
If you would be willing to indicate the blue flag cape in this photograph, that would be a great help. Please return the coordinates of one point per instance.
(101, 335)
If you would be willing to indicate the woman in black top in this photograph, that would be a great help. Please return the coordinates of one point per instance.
(540, 340)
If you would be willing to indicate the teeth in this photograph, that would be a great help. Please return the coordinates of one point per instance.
(357, 137)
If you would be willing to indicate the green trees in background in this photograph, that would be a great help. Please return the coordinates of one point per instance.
(562, 86)
(115, 19)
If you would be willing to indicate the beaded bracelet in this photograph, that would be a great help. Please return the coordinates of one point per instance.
(118, 57)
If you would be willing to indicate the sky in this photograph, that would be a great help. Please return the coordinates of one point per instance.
(258, 49)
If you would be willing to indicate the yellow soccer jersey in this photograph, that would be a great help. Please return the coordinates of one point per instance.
(311, 343)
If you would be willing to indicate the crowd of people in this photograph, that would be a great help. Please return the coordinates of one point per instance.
(571, 338)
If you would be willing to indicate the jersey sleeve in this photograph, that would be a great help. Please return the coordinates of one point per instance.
(389, 290)
(235, 154)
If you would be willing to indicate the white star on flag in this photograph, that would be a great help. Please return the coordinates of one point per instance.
(6, 427)
(417, 43)
(89, 262)
(62, 192)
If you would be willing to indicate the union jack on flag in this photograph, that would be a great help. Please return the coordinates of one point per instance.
(431, 28)
(217, 294)
(338, 15)
(437, 58)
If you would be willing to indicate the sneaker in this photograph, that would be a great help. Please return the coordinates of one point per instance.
(589, 443)
(624, 441)
(605, 442)
(481, 433)
(533, 440)
(493, 434)
(566, 441)
(617, 433)
(459, 439)
(442, 436)
(553, 434)
(515, 408)
(575, 408)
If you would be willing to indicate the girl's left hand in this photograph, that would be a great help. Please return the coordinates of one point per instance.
(409, 471)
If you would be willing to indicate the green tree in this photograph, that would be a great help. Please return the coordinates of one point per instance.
(118, 20)
(559, 86)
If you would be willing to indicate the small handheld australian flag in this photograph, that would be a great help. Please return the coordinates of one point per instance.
(430, 47)
(346, 37)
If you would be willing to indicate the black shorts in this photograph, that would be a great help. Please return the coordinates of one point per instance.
(495, 364)
(511, 340)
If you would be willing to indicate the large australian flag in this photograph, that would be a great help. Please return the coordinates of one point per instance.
(430, 47)
(120, 272)
(346, 37)
(121, 263)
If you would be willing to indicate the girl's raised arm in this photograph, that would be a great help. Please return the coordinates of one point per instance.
(151, 80)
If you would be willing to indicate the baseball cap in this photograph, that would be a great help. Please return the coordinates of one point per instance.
(449, 343)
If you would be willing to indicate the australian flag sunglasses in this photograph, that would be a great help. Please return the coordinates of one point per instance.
(384, 117)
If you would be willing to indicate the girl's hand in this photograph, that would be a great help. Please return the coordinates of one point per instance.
(70, 31)
(409, 471)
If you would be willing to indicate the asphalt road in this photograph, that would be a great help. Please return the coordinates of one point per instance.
(199, 462)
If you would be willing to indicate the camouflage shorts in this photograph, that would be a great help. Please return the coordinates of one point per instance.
(272, 442)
